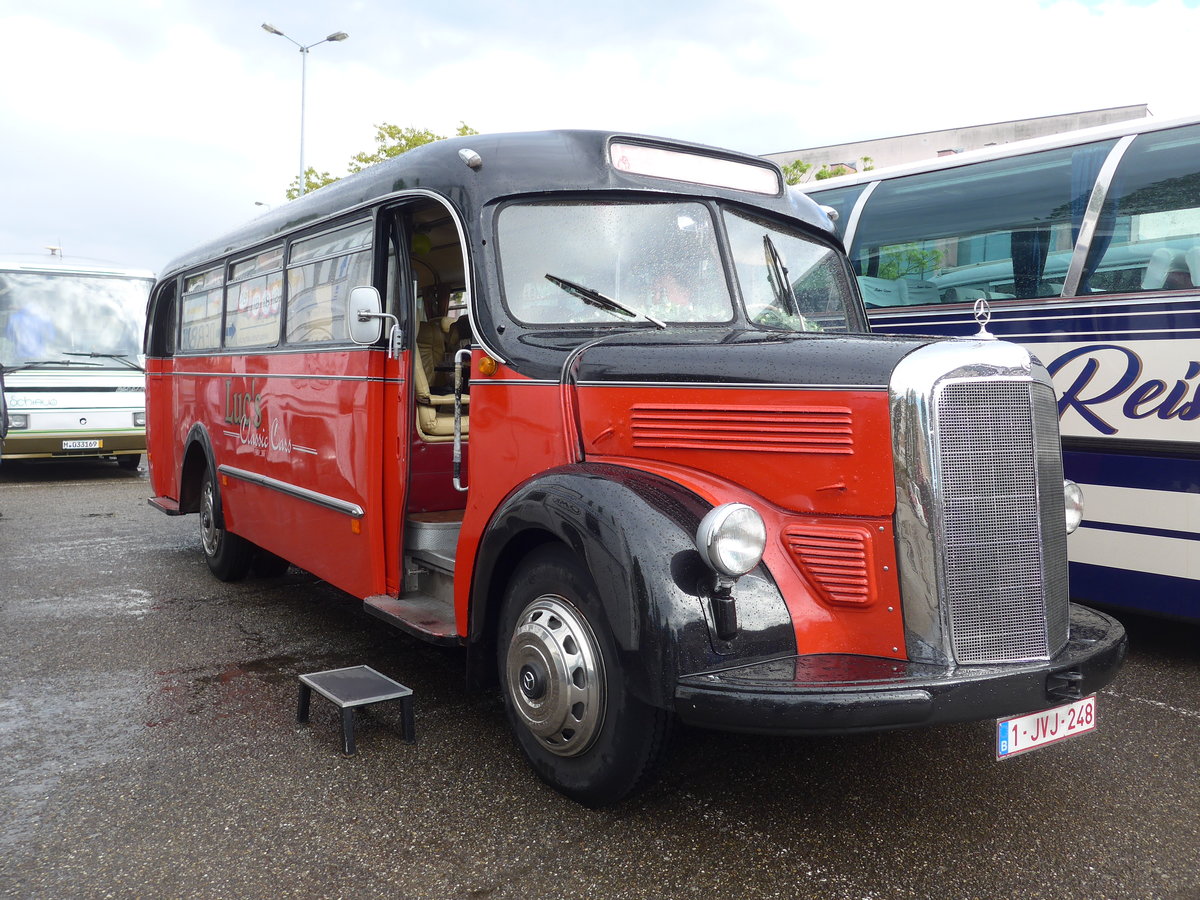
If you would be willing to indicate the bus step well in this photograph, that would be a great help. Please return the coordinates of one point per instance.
(425, 609)
(418, 614)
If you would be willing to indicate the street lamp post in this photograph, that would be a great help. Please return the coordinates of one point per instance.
(336, 36)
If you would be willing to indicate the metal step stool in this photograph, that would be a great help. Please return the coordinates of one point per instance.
(353, 687)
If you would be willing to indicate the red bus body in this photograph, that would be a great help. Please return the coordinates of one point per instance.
(572, 550)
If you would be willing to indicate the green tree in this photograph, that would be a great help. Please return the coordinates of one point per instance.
(390, 141)
(312, 180)
(865, 164)
(794, 171)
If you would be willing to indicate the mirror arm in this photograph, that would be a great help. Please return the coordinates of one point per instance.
(393, 334)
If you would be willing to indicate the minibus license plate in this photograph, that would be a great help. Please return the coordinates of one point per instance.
(1021, 734)
(83, 445)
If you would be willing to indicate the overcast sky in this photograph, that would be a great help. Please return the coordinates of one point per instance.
(134, 129)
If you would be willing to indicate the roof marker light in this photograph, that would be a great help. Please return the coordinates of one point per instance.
(694, 168)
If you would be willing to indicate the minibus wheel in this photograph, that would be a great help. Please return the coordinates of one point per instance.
(228, 556)
(564, 685)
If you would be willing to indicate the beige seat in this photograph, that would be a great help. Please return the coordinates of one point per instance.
(435, 409)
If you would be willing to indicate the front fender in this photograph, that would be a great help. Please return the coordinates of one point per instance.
(635, 533)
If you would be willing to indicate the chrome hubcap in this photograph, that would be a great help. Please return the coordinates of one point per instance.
(556, 675)
(210, 535)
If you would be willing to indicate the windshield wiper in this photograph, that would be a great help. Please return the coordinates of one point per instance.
(779, 274)
(600, 301)
(119, 357)
(48, 363)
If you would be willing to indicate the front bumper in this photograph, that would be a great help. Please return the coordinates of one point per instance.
(41, 445)
(843, 693)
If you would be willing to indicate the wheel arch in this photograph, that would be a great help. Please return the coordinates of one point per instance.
(197, 459)
(635, 535)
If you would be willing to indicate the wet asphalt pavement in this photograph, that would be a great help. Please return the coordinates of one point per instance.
(147, 728)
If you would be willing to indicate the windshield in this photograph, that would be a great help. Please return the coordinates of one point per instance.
(53, 317)
(788, 281)
(612, 263)
(659, 263)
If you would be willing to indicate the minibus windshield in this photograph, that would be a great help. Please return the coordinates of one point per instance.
(68, 319)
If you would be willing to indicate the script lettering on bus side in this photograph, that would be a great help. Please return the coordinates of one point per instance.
(248, 411)
(1112, 374)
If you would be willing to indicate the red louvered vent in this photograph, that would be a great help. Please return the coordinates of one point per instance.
(837, 560)
(806, 429)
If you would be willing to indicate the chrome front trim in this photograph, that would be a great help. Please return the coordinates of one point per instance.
(343, 506)
(982, 567)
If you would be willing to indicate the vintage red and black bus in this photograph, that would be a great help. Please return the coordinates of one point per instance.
(657, 470)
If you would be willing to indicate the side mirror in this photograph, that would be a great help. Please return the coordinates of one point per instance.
(364, 316)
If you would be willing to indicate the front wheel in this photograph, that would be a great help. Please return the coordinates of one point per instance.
(564, 686)
(228, 556)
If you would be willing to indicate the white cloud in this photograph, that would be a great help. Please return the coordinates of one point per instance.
(142, 132)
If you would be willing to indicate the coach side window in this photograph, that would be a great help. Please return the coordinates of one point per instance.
(999, 230)
(200, 319)
(321, 272)
(1148, 234)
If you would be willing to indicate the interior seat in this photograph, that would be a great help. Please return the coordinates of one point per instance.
(1166, 270)
(435, 408)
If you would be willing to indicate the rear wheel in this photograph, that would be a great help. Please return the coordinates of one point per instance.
(228, 556)
(129, 461)
(564, 686)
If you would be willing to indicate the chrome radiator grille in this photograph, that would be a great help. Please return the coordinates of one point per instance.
(1001, 524)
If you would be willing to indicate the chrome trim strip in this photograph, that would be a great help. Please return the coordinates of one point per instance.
(512, 382)
(343, 506)
(1091, 216)
(270, 375)
(272, 350)
(856, 214)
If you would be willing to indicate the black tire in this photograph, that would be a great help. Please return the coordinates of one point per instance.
(267, 565)
(228, 556)
(564, 686)
(129, 461)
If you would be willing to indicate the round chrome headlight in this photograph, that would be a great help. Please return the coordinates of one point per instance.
(1074, 496)
(731, 538)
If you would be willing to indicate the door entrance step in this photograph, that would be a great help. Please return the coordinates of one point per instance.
(433, 537)
(418, 614)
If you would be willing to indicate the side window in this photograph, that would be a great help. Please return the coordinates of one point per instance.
(1002, 229)
(160, 325)
(253, 298)
(1148, 234)
(321, 272)
(200, 319)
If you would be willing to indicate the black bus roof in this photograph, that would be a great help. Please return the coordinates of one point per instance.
(513, 164)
